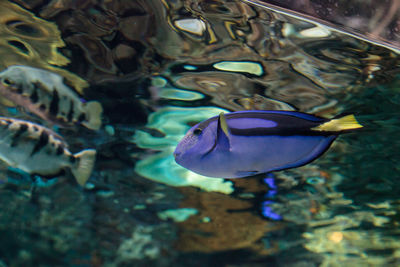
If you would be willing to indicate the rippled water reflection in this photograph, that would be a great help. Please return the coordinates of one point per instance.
(159, 67)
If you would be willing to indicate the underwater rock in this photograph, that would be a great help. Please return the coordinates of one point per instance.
(51, 227)
(343, 239)
(125, 225)
(338, 229)
(222, 223)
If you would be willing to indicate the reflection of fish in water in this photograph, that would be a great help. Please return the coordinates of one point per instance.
(39, 151)
(44, 94)
(247, 143)
(266, 209)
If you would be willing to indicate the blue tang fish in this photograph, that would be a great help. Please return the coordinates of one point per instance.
(246, 143)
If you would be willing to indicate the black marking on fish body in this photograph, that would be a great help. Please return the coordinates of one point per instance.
(19, 89)
(82, 117)
(35, 128)
(50, 176)
(42, 107)
(60, 150)
(287, 124)
(55, 100)
(40, 85)
(274, 116)
(72, 158)
(14, 140)
(34, 96)
(277, 131)
(71, 111)
(42, 142)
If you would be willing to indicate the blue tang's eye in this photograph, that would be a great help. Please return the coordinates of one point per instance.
(197, 131)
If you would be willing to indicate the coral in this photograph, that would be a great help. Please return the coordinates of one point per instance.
(140, 246)
(177, 215)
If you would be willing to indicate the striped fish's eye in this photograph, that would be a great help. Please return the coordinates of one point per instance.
(197, 131)
(7, 81)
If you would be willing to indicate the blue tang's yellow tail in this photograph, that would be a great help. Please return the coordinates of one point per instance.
(347, 122)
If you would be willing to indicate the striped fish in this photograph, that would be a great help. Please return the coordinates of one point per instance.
(43, 93)
(39, 151)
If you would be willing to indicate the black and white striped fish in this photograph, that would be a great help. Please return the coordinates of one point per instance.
(39, 151)
(43, 93)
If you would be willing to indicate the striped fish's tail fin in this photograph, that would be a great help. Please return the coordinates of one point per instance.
(348, 122)
(93, 112)
(83, 168)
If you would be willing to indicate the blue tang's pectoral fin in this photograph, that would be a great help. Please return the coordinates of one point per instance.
(222, 140)
(241, 174)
